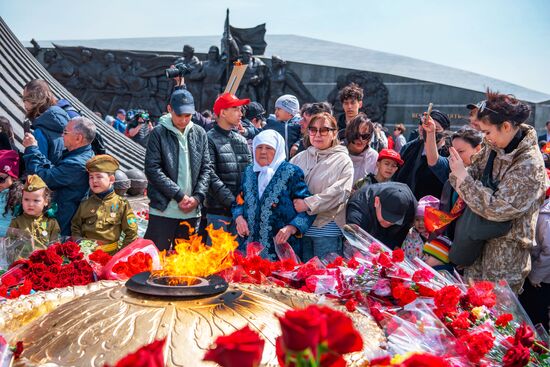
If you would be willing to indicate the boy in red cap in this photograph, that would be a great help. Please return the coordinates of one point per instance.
(230, 155)
(9, 174)
(387, 164)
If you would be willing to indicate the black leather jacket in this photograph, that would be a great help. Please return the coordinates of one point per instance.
(161, 166)
(229, 154)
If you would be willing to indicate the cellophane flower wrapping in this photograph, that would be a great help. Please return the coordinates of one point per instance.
(15, 245)
(141, 211)
(139, 256)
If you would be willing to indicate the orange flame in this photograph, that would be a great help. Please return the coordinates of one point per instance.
(195, 259)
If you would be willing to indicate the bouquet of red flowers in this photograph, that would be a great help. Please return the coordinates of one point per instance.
(139, 256)
(60, 265)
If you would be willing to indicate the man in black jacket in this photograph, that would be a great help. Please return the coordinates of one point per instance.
(229, 154)
(177, 166)
(385, 210)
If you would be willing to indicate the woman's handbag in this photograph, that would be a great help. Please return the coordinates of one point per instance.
(472, 230)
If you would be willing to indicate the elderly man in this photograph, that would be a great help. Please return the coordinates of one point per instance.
(68, 178)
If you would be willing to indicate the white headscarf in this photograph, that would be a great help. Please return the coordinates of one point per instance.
(276, 141)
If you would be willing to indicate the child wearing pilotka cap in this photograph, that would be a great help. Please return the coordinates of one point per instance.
(37, 218)
(104, 216)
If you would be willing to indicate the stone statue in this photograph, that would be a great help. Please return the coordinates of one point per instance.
(253, 84)
(194, 64)
(212, 76)
(111, 82)
(88, 71)
(60, 68)
(375, 94)
(140, 89)
(282, 80)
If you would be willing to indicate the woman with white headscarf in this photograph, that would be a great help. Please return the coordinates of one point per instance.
(264, 211)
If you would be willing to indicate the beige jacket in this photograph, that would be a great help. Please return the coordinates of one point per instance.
(329, 177)
(520, 193)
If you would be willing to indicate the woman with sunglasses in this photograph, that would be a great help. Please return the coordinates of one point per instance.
(328, 171)
(517, 184)
(48, 120)
(358, 135)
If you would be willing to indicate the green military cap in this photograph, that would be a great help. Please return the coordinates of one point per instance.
(34, 183)
(102, 163)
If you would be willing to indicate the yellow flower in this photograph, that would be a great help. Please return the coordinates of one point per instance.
(479, 312)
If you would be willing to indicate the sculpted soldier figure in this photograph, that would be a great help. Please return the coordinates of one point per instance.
(194, 64)
(111, 81)
(59, 67)
(212, 75)
(88, 71)
(282, 81)
(253, 82)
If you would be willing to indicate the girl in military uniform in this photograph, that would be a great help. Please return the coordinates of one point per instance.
(104, 216)
(36, 217)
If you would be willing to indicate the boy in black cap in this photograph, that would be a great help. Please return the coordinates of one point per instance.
(177, 166)
(384, 210)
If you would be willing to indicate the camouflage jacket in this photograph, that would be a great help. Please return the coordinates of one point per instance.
(522, 184)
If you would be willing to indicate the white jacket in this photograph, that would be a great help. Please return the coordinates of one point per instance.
(329, 177)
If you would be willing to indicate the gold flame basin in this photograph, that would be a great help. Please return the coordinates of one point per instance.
(105, 324)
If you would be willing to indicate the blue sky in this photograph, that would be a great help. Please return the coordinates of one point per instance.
(505, 39)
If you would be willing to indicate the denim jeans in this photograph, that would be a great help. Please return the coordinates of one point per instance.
(320, 247)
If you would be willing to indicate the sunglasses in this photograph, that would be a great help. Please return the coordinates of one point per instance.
(363, 137)
(3, 179)
(483, 106)
(323, 131)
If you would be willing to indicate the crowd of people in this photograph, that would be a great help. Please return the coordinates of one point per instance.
(296, 177)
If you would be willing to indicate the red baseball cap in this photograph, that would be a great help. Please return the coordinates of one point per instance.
(390, 154)
(228, 100)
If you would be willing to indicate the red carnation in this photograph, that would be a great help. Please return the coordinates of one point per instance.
(242, 348)
(446, 300)
(353, 263)
(481, 294)
(374, 248)
(475, 346)
(384, 260)
(516, 356)
(351, 305)
(339, 261)
(504, 319)
(422, 275)
(397, 255)
(424, 360)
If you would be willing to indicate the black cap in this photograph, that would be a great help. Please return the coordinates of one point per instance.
(442, 118)
(254, 110)
(395, 201)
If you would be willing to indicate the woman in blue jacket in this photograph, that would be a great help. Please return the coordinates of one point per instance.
(48, 120)
(264, 211)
